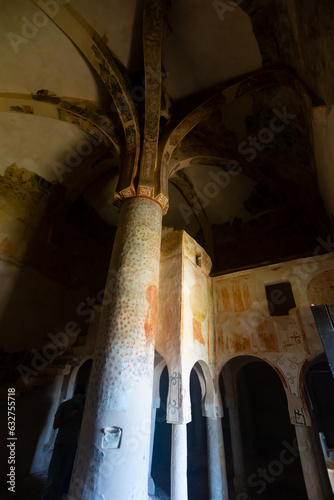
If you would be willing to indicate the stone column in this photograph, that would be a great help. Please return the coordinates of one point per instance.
(216, 460)
(155, 405)
(119, 396)
(237, 450)
(308, 457)
(179, 486)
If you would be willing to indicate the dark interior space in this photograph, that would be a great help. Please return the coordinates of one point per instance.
(320, 388)
(162, 441)
(198, 487)
(265, 431)
(271, 431)
(227, 439)
(167, 198)
(83, 375)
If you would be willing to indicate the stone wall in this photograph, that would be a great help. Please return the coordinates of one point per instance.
(210, 320)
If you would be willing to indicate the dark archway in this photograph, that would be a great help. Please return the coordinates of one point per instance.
(83, 375)
(265, 431)
(198, 486)
(162, 441)
(227, 439)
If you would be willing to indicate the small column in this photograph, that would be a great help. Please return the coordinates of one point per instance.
(114, 447)
(237, 450)
(216, 460)
(179, 485)
(155, 405)
(308, 457)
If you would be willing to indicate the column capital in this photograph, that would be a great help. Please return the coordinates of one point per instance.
(142, 192)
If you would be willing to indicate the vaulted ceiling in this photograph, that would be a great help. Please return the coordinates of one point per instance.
(240, 84)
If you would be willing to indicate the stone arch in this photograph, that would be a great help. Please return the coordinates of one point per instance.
(80, 112)
(320, 288)
(252, 418)
(298, 410)
(308, 363)
(307, 366)
(159, 365)
(98, 54)
(233, 357)
(211, 400)
(245, 85)
(73, 376)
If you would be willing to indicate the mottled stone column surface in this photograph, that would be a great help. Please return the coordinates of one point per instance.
(120, 390)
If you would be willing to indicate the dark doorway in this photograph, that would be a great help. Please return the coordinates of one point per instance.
(83, 375)
(320, 388)
(227, 440)
(198, 486)
(162, 442)
(266, 431)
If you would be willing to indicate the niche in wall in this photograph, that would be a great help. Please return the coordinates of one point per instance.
(280, 298)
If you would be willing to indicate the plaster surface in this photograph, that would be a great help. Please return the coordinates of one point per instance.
(122, 376)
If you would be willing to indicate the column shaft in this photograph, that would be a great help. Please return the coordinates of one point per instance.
(120, 389)
(179, 486)
(216, 460)
(151, 485)
(308, 457)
